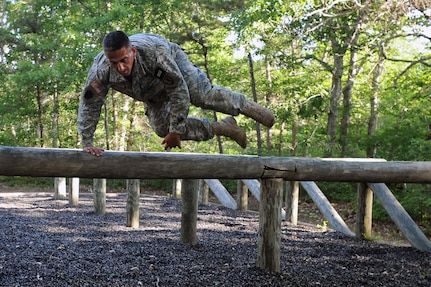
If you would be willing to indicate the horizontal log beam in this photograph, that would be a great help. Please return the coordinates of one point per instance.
(45, 162)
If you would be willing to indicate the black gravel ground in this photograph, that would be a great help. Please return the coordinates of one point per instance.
(45, 242)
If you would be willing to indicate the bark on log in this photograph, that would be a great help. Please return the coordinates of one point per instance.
(132, 205)
(241, 195)
(364, 215)
(40, 162)
(60, 188)
(99, 189)
(269, 237)
(73, 189)
(189, 212)
(292, 199)
(401, 218)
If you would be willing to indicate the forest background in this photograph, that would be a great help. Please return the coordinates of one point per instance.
(345, 78)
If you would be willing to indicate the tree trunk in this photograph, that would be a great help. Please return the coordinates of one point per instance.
(295, 132)
(253, 89)
(331, 130)
(207, 71)
(116, 142)
(347, 103)
(40, 116)
(132, 122)
(268, 100)
(55, 115)
(374, 104)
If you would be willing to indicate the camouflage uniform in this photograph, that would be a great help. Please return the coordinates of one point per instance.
(165, 80)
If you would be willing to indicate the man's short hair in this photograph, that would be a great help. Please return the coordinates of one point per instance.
(116, 40)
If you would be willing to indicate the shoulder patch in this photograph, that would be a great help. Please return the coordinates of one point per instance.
(97, 87)
(169, 79)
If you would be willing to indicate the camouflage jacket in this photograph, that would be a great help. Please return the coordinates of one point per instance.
(161, 72)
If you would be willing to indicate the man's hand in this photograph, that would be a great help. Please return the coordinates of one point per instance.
(172, 140)
(94, 150)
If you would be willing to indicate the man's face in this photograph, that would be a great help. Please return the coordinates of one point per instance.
(122, 60)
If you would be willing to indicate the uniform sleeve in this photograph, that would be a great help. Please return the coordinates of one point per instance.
(170, 75)
(92, 99)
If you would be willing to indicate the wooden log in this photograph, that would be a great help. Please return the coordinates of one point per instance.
(189, 212)
(176, 188)
(60, 188)
(241, 195)
(401, 218)
(19, 161)
(221, 193)
(325, 207)
(132, 205)
(364, 214)
(269, 236)
(203, 192)
(73, 191)
(292, 199)
(254, 187)
(99, 199)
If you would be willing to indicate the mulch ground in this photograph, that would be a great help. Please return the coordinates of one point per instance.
(46, 242)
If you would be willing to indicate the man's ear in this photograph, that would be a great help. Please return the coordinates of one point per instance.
(134, 51)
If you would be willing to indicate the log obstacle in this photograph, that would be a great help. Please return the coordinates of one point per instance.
(41, 162)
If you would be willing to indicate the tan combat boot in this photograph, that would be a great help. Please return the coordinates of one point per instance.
(229, 128)
(258, 113)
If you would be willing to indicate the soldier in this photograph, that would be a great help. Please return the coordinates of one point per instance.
(157, 72)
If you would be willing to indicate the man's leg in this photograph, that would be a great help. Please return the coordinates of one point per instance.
(224, 100)
(197, 129)
(201, 129)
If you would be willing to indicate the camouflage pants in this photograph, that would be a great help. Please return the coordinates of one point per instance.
(202, 94)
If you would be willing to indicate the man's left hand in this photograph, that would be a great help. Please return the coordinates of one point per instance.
(172, 140)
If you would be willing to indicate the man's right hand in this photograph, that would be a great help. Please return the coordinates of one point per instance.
(93, 150)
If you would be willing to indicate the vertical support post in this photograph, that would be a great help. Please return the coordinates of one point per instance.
(292, 198)
(203, 192)
(364, 215)
(73, 190)
(189, 212)
(269, 237)
(242, 195)
(60, 188)
(176, 188)
(132, 205)
(99, 188)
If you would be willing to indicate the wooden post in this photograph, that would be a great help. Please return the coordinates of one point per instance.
(203, 192)
(132, 206)
(73, 190)
(269, 237)
(60, 188)
(325, 207)
(364, 215)
(400, 216)
(99, 189)
(242, 195)
(176, 188)
(189, 212)
(292, 198)
(221, 193)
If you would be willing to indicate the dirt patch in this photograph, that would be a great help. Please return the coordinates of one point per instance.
(46, 242)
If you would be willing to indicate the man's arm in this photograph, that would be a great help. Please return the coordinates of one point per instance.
(91, 102)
